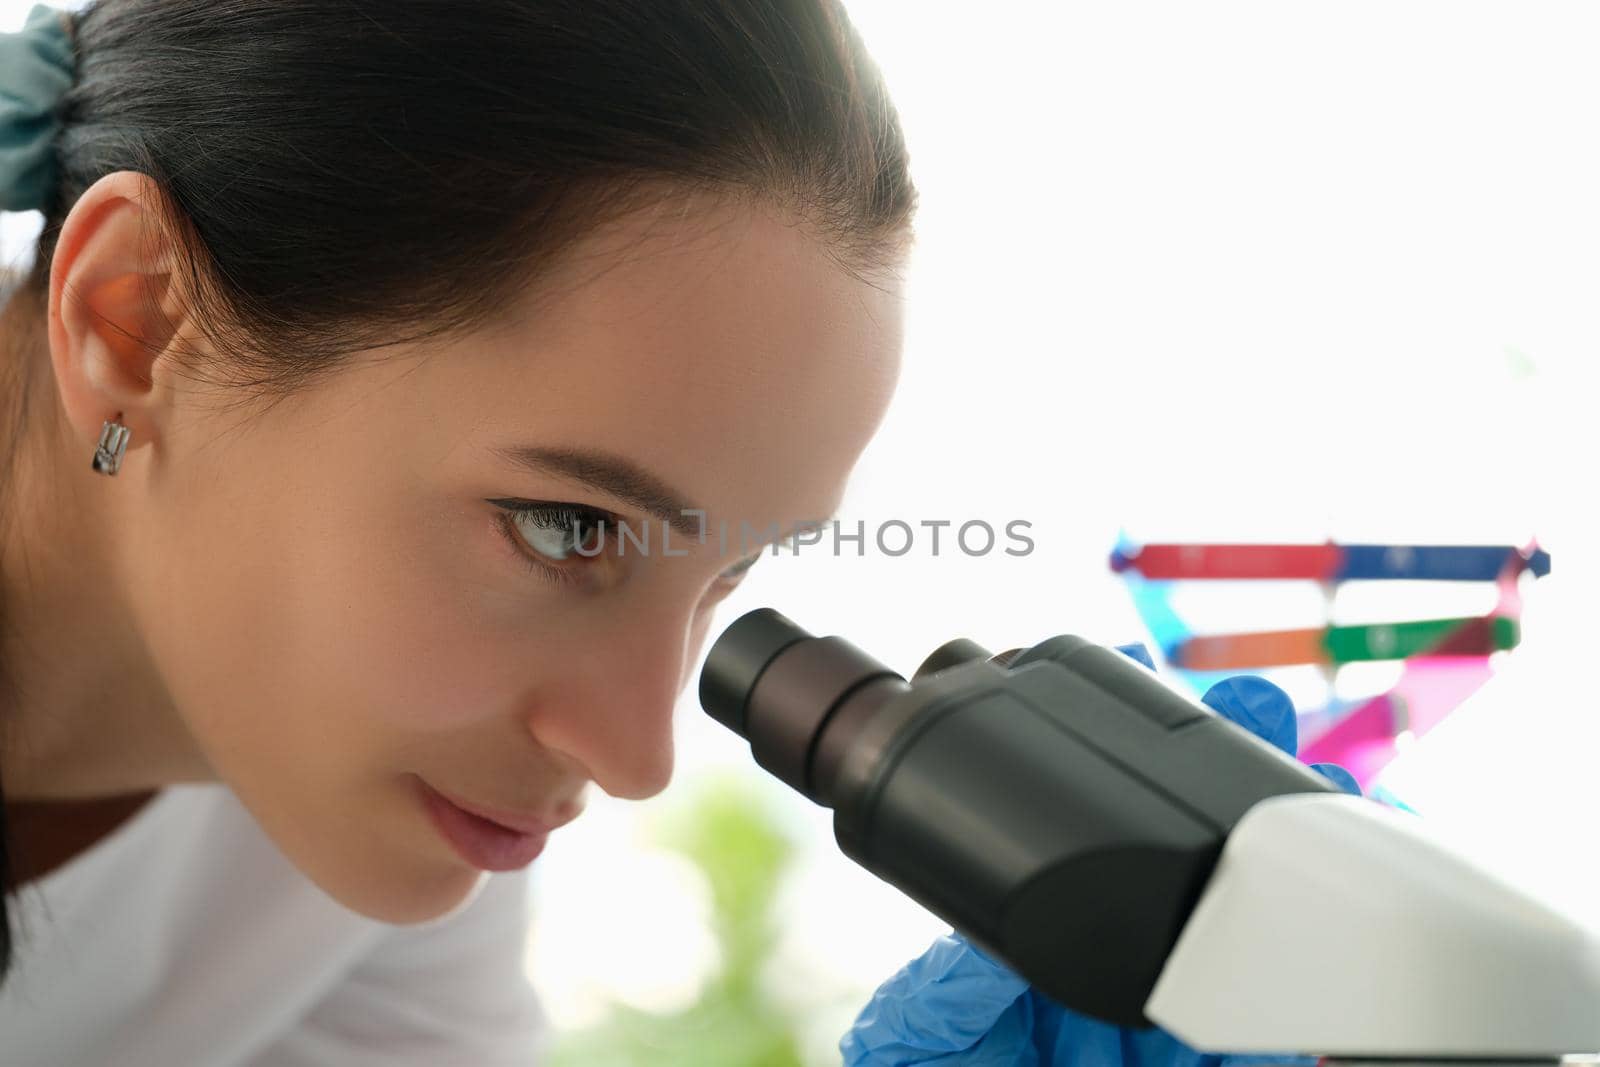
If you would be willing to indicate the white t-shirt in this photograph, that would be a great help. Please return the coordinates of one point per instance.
(186, 938)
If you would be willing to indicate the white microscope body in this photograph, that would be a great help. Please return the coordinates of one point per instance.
(1335, 926)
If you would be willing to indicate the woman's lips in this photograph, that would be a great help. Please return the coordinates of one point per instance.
(487, 845)
(511, 820)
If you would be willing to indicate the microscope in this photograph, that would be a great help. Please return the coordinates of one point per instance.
(1142, 860)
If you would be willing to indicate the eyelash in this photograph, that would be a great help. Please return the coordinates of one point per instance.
(564, 517)
(550, 517)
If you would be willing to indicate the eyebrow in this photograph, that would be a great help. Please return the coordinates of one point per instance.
(622, 478)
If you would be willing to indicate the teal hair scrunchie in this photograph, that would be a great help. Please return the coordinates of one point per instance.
(36, 67)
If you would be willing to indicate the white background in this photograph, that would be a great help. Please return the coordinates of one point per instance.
(1242, 271)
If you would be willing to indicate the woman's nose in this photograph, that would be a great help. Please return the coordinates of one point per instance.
(614, 717)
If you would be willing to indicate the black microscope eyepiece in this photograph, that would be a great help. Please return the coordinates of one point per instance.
(737, 659)
(780, 687)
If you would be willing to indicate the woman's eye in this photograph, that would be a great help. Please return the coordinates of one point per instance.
(740, 569)
(563, 533)
(557, 539)
(565, 541)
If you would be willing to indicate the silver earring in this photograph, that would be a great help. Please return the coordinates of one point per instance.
(113, 443)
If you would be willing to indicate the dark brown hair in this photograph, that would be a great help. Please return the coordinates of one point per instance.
(335, 176)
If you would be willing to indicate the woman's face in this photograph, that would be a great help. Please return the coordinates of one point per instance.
(343, 607)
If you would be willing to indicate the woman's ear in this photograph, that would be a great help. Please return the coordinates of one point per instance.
(112, 313)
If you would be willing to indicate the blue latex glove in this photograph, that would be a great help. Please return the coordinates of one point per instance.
(954, 1005)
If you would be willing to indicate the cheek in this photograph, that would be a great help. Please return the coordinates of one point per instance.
(312, 643)
(311, 672)
(419, 662)
(403, 643)
(233, 634)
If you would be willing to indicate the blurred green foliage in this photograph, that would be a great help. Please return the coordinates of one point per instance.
(1519, 365)
(743, 854)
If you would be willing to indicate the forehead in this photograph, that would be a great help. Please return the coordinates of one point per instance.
(715, 344)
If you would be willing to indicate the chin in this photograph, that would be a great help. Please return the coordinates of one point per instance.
(378, 859)
(410, 897)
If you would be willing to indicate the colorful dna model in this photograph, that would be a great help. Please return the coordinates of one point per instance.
(1444, 660)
